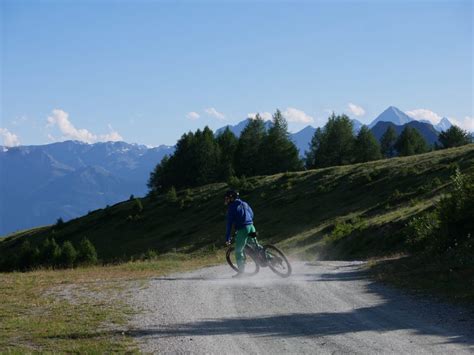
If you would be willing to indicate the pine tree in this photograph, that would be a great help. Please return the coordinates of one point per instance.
(227, 142)
(50, 252)
(248, 159)
(333, 145)
(278, 151)
(68, 255)
(454, 137)
(366, 147)
(410, 142)
(387, 142)
(86, 253)
(314, 149)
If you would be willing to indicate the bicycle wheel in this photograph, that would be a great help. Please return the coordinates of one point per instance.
(277, 261)
(251, 265)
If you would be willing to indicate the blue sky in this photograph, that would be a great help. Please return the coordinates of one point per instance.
(147, 71)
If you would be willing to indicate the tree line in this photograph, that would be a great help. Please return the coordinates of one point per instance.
(201, 157)
(336, 144)
(49, 254)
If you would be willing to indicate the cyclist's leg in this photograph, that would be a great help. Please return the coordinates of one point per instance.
(240, 241)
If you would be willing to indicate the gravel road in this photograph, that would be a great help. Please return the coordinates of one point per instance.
(324, 308)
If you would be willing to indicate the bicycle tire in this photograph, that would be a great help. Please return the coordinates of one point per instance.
(248, 254)
(280, 265)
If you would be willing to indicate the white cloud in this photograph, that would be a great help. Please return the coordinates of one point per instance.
(60, 119)
(211, 111)
(294, 115)
(356, 110)
(266, 116)
(467, 123)
(8, 138)
(424, 114)
(193, 115)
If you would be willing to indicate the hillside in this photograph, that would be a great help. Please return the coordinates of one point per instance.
(352, 211)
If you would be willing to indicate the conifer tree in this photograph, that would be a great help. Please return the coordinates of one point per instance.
(278, 151)
(248, 159)
(366, 147)
(227, 142)
(86, 253)
(387, 142)
(333, 145)
(68, 255)
(410, 142)
(454, 137)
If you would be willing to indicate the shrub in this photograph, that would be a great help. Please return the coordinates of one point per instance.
(59, 222)
(171, 195)
(446, 232)
(138, 205)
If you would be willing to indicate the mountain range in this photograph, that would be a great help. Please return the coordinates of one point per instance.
(39, 184)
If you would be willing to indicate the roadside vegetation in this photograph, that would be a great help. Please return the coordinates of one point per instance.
(80, 310)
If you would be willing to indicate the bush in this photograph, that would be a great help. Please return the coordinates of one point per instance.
(447, 231)
(171, 195)
(138, 205)
(87, 254)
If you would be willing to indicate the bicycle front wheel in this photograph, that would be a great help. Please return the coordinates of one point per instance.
(277, 261)
(251, 265)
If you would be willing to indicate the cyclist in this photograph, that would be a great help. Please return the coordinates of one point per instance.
(240, 215)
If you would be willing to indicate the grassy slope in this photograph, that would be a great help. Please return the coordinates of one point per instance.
(296, 210)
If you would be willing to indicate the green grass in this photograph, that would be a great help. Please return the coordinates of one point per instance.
(297, 210)
(427, 276)
(78, 310)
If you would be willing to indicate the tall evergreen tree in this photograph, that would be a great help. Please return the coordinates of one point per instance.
(247, 156)
(314, 148)
(195, 162)
(279, 152)
(387, 142)
(334, 144)
(227, 142)
(410, 142)
(454, 137)
(366, 147)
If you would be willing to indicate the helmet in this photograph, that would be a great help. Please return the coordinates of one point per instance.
(231, 193)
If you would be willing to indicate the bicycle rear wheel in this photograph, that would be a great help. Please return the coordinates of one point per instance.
(251, 265)
(277, 261)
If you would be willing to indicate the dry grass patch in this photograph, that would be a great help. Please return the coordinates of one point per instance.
(78, 310)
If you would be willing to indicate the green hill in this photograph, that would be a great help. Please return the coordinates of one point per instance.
(355, 211)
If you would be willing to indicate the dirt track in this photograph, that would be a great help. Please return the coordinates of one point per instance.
(328, 307)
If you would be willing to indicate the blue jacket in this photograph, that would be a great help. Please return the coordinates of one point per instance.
(240, 214)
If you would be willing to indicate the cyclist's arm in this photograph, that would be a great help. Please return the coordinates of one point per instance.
(230, 222)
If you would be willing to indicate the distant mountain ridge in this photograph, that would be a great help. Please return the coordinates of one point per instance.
(426, 130)
(394, 115)
(42, 183)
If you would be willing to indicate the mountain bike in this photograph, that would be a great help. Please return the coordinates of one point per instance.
(257, 257)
